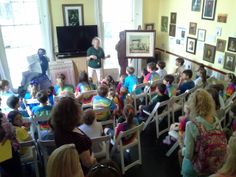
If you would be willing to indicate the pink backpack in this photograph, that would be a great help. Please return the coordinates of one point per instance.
(210, 150)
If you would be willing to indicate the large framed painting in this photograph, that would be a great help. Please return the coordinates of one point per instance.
(73, 14)
(229, 62)
(140, 44)
(209, 9)
(191, 45)
(209, 53)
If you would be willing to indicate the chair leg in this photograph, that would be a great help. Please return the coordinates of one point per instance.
(157, 127)
(139, 149)
(171, 150)
(122, 160)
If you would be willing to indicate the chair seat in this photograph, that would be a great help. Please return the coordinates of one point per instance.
(102, 153)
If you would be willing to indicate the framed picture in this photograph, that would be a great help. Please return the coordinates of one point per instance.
(196, 5)
(173, 17)
(73, 14)
(149, 26)
(172, 30)
(232, 44)
(192, 28)
(220, 45)
(140, 44)
(222, 18)
(209, 53)
(191, 45)
(208, 9)
(164, 24)
(201, 35)
(229, 62)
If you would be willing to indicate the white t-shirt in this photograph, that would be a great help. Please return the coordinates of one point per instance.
(162, 73)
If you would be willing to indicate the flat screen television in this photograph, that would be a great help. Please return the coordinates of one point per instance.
(75, 40)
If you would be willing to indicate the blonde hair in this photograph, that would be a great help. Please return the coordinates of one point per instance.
(96, 39)
(229, 167)
(64, 162)
(201, 104)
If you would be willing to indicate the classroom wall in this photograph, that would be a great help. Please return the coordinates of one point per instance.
(154, 9)
(57, 14)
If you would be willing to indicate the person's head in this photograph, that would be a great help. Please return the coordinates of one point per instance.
(203, 74)
(42, 96)
(89, 116)
(61, 78)
(151, 67)
(4, 85)
(187, 74)
(83, 77)
(215, 95)
(168, 79)
(109, 79)
(64, 161)
(41, 52)
(96, 41)
(130, 70)
(160, 89)
(13, 102)
(33, 88)
(15, 118)
(105, 169)
(103, 90)
(123, 90)
(111, 92)
(122, 78)
(228, 168)
(201, 104)
(201, 66)
(161, 64)
(179, 61)
(144, 72)
(230, 77)
(66, 115)
(129, 113)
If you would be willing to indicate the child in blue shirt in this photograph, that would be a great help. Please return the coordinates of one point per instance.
(186, 82)
(131, 80)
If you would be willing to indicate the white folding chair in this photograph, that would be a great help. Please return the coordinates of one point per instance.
(37, 120)
(104, 141)
(32, 159)
(121, 147)
(88, 94)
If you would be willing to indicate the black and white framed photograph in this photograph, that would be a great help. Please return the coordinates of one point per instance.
(209, 53)
(192, 28)
(73, 14)
(209, 9)
(201, 35)
(220, 45)
(172, 30)
(191, 45)
(231, 44)
(173, 17)
(140, 44)
(196, 5)
(229, 62)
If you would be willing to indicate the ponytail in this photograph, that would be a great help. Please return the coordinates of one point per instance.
(129, 114)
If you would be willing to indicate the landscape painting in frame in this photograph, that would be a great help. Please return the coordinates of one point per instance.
(140, 44)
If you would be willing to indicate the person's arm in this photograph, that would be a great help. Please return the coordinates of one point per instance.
(90, 56)
(86, 159)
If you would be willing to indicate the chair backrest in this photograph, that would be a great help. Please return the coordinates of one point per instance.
(100, 111)
(104, 141)
(38, 120)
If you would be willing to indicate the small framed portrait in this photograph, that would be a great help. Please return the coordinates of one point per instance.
(172, 30)
(208, 9)
(192, 28)
(220, 45)
(164, 24)
(209, 53)
(191, 45)
(229, 62)
(201, 35)
(173, 17)
(149, 26)
(73, 14)
(222, 18)
(196, 5)
(231, 44)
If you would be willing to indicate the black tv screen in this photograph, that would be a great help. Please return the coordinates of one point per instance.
(75, 39)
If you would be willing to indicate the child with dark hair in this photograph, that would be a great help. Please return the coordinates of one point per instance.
(51, 95)
(13, 102)
(231, 87)
(62, 88)
(109, 81)
(131, 80)
(161, 69)
(180, 66)
(220, 90)
(202, 77)
(144, 72)
(32, 90)
(186, 82)
(101, 101)
(121, 83)
(170, 89)
(152, 74)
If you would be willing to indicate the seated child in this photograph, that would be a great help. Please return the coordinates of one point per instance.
(185, 82)
(114, 97)
(62, 88)
(144, 72)
(22, 135)
(51, 95)
(220, 90)
(122, 96)
(5, 93)
(92, 128)
(109, 81)
(179, 62)
(32, 90)
(202, 77)
(161, 71)
(152, 75)
(101, 101)
(121, 83)
(170, 89)
(131, 81)
(13, 102)
(161, 96)
(231, 87)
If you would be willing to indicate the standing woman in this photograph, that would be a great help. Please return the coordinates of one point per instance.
(95, 54)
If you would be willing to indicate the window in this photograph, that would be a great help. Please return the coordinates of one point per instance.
(22, 34)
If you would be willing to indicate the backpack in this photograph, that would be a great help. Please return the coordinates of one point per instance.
(210, 150)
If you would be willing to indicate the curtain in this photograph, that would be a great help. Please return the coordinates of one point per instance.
(98, 17)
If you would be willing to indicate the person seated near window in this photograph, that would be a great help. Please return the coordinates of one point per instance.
(22, 134)
(131, 80)
(170, 89)
(101, 101)
(179, 62)
(186, 82)
(161, 96)
(5, 93)
(92, 128)
(152, 75)
(161, 69)
(62, 88)
(202, 77)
